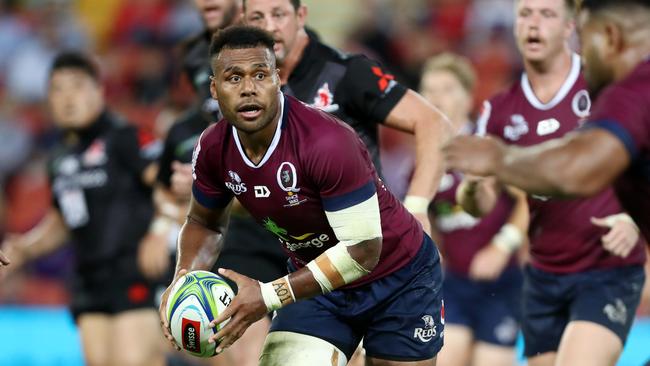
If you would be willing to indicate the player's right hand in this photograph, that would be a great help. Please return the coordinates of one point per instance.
(181, 180)
(4, 261)
(162, 311)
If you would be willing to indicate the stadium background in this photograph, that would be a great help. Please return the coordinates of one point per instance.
(136, 44)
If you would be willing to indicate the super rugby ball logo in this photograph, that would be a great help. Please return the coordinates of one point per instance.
(426, 333)
(235, 183)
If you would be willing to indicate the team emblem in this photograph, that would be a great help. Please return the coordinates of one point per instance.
(288, 181)
(426, 333)
(235, 184)
(517, 128)
(547, 126)
(324, 99)
(581, 104)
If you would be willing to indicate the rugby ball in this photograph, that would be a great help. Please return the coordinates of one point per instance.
(196, 299)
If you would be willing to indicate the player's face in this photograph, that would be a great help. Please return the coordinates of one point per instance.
(542, 28)
(218, 14)
(597, 69)
(75, 98)
(443, 89)
(246, 84)
(280, 19)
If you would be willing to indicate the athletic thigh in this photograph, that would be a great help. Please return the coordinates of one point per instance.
(137, 339)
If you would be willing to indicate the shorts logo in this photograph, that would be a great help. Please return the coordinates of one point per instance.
(581, 104)
(386, 81)
(288, 181)
(426, 333)
(191, 335)
(617, 313)
(235, 183)
(261, 191)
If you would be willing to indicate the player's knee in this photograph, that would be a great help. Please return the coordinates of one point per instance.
(294, 349)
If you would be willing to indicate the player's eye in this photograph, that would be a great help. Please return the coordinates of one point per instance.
(260, 76)
(277, 15)
(548, 13)
(234, 79)
(524, 13)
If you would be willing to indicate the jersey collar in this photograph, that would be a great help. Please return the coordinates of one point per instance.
(564, 89)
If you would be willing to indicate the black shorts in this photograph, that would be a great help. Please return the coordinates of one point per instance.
(252, 251)
(111, 287)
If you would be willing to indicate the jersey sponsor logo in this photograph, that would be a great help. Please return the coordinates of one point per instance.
(236, 185)
(261, 191)
(95, 154)
(386, 82)
(581, 104)
(295, 242)
(87, 179)
(517, 128)
(324, 99)
(547, 126)
(68, 165)
(426, 333)
(617, 312)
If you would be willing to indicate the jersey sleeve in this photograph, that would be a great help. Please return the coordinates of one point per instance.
(341, 169)
(133, 149)
(368, 90)
(624, 114)
(485, 124)
(165, 161)
(207, 188)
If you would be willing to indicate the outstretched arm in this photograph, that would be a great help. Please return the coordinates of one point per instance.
(580, 164)
(413, 114)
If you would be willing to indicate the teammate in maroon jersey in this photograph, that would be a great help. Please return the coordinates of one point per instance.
(358, 258)
(479, 330)
(603, 153)
(584, 282)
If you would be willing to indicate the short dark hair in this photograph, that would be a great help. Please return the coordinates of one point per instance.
(294, 3)
(75, 60)
(240, 36)
(597, 5)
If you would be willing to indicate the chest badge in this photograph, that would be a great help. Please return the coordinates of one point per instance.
(288, 181)
(547, 126)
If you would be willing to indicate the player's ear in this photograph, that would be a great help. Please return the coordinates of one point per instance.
(614, 38)
(213, 88)
(301, 14)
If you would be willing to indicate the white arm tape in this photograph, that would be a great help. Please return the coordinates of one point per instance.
(349, 269)
(416, 204)
(319, 276)
(356, 223)
(272, 299)
(509, 238)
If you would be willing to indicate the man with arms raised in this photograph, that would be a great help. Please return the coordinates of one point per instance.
(586, 273)
(359, 257)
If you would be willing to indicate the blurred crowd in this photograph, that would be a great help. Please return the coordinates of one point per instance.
(137, 45)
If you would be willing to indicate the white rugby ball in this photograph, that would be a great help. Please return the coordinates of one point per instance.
(196, 299)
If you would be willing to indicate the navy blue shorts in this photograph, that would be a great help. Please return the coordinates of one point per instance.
(490, 309)
(398, 316)
(608, 297)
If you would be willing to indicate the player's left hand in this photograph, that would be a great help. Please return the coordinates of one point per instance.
(474, 155)
(245, 309)
(622, 236)
(488, 263)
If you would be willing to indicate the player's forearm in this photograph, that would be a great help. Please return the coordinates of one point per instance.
(520, 214)
(49, 235)
(198, 246)
(336, 267)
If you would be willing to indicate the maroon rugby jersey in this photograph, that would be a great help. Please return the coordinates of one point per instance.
(563, 240)
(314, 163)
(463, 235)
(624, 109)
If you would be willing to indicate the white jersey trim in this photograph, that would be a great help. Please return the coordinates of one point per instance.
(481, 124)
(274, 142)
(561, 94)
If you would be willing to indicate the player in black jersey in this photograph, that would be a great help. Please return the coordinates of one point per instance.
(100, 176)
(355, 89)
